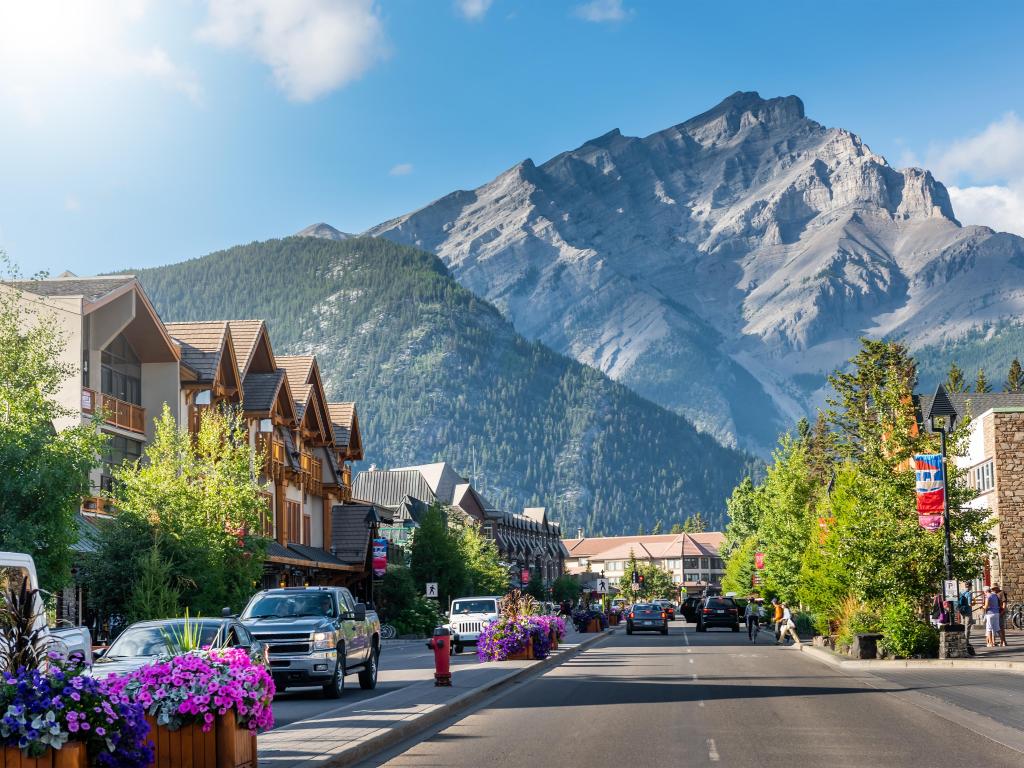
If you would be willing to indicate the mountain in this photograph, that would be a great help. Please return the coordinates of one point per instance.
(325, 231)
(723, 266)
(439, 374)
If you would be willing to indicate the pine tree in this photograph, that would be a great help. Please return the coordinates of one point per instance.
(640, 530)
(695, 524)
(955, 379)
(676, 528)
(981, 384)
(1015, 378)
(657, 529)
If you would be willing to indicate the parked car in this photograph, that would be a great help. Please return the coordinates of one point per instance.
(466, 619)
(315, 636)
(17, 569)
(669, 607)
(646, 617)
(718, 612)
(690, 608)
(145, 641)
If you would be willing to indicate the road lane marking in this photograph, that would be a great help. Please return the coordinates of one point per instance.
(690, 660)
(700, 703)
(695, 676)
(712, 751)
(686, 637)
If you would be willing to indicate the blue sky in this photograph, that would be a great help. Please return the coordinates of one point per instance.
(138, 133)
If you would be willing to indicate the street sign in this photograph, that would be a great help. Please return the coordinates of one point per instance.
(431, 589)
(602, 586)
(949, 589)
(525, 576)
(635, 586)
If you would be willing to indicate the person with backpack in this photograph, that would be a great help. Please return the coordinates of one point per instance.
(777, 617)
(966, 611)
(788, 628)
(750, 615)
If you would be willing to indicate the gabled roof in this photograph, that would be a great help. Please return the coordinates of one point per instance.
(207, 349)
(308, 391)
(345, 423)
(300, 369)
(389, 488)
(252, 344)
(260, 391)
(441, 477)
(350, 531)
(91, 289)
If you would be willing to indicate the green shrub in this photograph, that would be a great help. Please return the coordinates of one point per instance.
(419, 618)
(806, 623)
(904, 634)
(853, 618)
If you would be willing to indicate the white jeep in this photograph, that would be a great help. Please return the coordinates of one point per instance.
(467, 617)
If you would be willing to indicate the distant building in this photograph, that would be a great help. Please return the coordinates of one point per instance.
(691, 558)
(995, 466)
(526, 542)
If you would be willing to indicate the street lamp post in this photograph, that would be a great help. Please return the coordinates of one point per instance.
(942, 416)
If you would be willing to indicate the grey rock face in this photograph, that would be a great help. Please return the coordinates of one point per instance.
(722, 266)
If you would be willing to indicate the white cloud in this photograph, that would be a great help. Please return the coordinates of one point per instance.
(473, 9)
(402, 169)
(601, 10)
(50, 49)
(985, 173)
(311, 46)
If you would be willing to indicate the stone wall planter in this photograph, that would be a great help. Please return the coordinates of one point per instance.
(865, 645)
(72, 755)
(224, 746)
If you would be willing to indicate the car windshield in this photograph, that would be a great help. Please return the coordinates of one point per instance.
(720, 602)
(646, 607)
(284, 606)
(463, 607)
(156, 640)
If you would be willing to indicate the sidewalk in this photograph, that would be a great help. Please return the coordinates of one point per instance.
(346, 734)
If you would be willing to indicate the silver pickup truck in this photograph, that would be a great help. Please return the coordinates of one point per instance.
(16, 568)
(315, 636)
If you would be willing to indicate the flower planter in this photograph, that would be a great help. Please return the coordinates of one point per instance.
(594, 625)
(554, 640)
(224, 746)
(524, 655)
(72, 755)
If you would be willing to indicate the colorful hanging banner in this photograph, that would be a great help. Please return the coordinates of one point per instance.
(931, 490)
(759, 560)
(380, 557)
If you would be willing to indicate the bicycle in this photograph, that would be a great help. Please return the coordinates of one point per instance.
(387, 632)
(1015, 615)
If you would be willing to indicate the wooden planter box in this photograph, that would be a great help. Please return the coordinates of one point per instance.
(72, 755)
(224, 746)
(524, 655)
(554, 640)
(593, 626)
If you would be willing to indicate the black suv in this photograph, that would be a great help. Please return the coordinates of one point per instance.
(690, 607)
(718, 612)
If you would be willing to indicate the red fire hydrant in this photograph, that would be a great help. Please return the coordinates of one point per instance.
(441, 645)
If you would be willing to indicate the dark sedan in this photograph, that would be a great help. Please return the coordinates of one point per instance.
(718, 612)
(646, 617)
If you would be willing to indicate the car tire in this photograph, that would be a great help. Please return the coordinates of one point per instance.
(664, 631)
(735, 627)
(459, 648)
(335, 689)
(368, 676)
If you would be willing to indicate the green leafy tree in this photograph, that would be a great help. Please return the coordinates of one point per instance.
(739, 567)
(153, 595)
(43, 473)
(565, 588)
(436, 554)
(745, 508)
(657, 582)
(1014, 378)
(955, 381)
(981, 384)
(204, 501)
(676, 528)
(484, 573)
(112, 570)
(535, 587)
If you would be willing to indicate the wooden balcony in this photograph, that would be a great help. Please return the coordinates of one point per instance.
(312, 473)
(346, 482)
(116, 412)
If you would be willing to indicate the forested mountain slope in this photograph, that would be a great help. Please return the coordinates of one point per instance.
(439, 374)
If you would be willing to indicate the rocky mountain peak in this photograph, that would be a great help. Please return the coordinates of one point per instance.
(322, 230)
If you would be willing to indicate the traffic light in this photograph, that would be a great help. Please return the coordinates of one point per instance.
(641, 578)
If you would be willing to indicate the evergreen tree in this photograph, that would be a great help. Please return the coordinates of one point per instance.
(1015, 378)
(640, 529)
(436, 555)
(981, 384)
(955, 381)
(676, 528)
(154, 595)
(657, 529)
(484, 573)
(695, 524)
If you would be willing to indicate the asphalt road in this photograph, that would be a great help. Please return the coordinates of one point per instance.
(400, 665)
(702, 699)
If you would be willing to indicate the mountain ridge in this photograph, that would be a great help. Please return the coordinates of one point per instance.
(719, 265)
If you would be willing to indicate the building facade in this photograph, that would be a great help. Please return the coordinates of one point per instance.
(691, 558)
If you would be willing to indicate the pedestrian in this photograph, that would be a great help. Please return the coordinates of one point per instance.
(1002, 614)
(966, 612)
(788, 628)
(750, 615)
(777, 617)
(991, 606)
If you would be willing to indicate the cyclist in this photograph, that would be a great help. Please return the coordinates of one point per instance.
(751, 617)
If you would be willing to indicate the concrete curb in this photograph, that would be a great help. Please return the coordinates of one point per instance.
(882, 664)
(391, 737)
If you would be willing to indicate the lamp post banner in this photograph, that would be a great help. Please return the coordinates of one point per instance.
(380, 557)
(931, 490)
